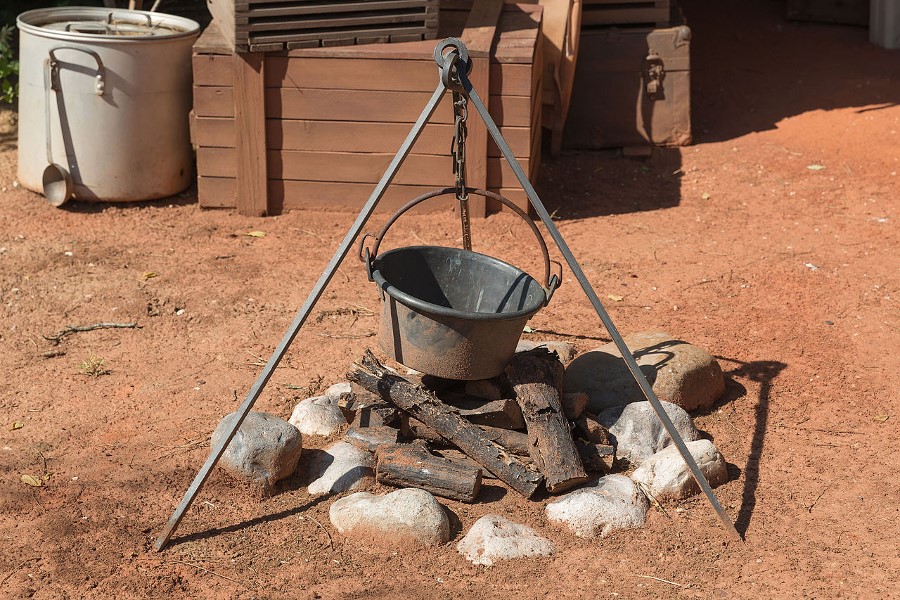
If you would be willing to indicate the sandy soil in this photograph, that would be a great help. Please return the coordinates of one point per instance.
(790, 275)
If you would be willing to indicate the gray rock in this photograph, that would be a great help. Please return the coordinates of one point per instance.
(338, 468)
(615, 502)
(395, 519)
(665, 475)
(494, 538)
(320, 415)
(637, 433)
(264, 450)
(678, 372)
(564, 350)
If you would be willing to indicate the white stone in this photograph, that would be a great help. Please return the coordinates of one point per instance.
(637, 433)
(338, 468)
(319, 415)
(404, 516)
(665, 475)
(335, 391)
(494, 538)
(679, 372)
(614, 502)
(264, 450)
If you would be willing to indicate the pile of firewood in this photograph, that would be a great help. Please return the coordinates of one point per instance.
(527, 433)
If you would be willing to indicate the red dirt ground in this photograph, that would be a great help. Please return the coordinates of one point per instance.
(791, 276)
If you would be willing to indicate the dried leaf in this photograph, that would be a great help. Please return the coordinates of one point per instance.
(258, 234)
(881, 418)
(527, 329)
(32, 481)
(815, 167)
(615, 298)
(149, 275)
(17, 425)
(706, 196)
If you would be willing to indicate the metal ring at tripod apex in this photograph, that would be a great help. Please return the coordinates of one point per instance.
(452, 42)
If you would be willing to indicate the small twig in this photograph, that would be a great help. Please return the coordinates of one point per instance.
(822, 493)
(662, 580)
(205, 570)
(330, 542)
(11, 573)
(53, 353)
(60, 335)
(832, 431)
(259, 362)
(347, 337)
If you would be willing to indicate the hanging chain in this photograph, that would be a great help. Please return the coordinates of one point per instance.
(458, 151)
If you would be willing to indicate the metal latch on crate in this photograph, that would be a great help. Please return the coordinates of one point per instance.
(654, 73)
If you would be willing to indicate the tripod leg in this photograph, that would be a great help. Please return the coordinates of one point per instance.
(301, 317)
(598, 307)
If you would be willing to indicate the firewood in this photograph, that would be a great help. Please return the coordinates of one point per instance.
(515, 442)
(536, 377)
(424, 406)
(504, 413)
(574, 404)
(370, 438)
(588, 427)
(411, 465)
(600, 458)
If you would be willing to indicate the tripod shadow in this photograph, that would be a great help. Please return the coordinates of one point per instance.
(762, 372)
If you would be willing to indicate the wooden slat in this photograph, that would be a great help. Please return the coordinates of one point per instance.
(349, 167)
(348, 136)
(319, 8)
(346, 105)
(219, 192)
(250, 134)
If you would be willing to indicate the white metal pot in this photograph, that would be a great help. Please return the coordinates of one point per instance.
(104, 97)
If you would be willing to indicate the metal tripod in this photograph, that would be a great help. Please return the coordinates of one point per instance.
(453, 66)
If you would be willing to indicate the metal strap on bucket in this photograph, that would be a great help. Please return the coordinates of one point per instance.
(368, 256)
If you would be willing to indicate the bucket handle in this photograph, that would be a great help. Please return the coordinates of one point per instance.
(53, 67)
(551, 282)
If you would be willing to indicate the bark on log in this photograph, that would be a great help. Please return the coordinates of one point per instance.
(424, 406)
(411, 465)
(503, 413)
(515, 442)
(536, 377)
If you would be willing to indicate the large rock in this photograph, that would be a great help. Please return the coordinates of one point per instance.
(494, 538)
(665, 475)
(615, 502)
(338, 468)
(395, 519)
(264, 450)
(679, 373)
(320, 415)
(637, 433)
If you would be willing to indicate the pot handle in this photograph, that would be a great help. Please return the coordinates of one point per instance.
(53, 66)
(551, 282)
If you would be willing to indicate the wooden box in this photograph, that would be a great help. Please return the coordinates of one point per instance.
(267, 25)
(844, 12)
(318, 127)
(625, 12)
(632, 89)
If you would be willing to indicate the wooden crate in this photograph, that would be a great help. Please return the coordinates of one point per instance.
(272, 25)
(625, 12)
(316, 128)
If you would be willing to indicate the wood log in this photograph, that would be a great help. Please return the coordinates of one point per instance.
(504, 413)
(411, 465)
(536, 377)
(574, 404)
(414, 429)
(371, 438)
(597, 457)
(424, 406)
(588, 427)
(516, 442)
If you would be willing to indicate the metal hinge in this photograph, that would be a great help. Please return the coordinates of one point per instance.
(654, 73)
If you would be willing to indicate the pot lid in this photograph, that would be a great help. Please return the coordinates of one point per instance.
(89, 23)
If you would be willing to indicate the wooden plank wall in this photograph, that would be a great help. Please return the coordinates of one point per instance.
(334, 117)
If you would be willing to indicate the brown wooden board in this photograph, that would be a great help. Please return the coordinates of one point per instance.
(612, 102)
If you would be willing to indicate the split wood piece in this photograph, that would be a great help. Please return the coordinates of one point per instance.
(516, 442)
(494, 413)
(371, 438)
(597, 457)
(414, 429)
(411, 465)
(424, 406)
(588, 427)
(362, 408)
(574, 404)
(536, 377)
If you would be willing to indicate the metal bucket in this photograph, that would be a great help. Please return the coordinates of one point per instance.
(105, 97)
(450, 312)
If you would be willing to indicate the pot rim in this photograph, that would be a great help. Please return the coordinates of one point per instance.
(35, 21)
(427, 307)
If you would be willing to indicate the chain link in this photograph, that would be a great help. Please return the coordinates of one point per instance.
(458, 153)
